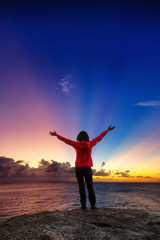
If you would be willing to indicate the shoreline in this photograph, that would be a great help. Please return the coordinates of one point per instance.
(156, 212)
(102, 223)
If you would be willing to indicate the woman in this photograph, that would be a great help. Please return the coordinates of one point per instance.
(84, 163)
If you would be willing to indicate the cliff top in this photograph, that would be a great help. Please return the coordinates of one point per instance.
(102, 223)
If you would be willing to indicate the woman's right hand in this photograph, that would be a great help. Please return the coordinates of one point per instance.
(53, 133)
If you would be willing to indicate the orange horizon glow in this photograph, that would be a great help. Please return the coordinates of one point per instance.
(140, 159)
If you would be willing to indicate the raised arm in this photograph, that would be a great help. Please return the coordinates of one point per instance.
(99, 138)
(66, 140)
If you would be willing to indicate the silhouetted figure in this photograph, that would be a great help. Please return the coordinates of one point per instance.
(84, 163)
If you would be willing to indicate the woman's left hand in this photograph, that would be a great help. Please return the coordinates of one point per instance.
(110, 128)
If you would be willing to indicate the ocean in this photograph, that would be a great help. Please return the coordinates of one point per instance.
(28, 198)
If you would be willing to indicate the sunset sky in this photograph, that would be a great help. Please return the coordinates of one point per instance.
(80, 65)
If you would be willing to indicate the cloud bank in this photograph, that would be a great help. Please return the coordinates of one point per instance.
(16, 171)
(149, 103)
(123, 174)
(102, 173)
(46, 171)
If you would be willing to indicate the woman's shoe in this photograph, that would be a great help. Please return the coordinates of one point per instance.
(83, 208)
(93, 207)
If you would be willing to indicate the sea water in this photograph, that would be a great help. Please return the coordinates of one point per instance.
(28, 198)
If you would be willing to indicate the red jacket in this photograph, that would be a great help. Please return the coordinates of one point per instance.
(83, 149)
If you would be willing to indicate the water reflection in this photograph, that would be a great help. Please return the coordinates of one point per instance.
(17, 199)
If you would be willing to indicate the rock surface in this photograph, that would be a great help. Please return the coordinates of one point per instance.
(102, 223)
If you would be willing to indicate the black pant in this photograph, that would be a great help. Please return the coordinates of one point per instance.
(81, 173)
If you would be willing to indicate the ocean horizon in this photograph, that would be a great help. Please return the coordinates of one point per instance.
(28, 198)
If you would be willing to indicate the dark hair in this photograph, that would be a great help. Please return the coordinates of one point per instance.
(83, 136)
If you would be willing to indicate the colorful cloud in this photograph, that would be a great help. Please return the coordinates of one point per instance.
(149, 103)
(66, 85)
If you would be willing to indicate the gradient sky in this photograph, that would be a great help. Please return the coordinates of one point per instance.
(75, 66)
